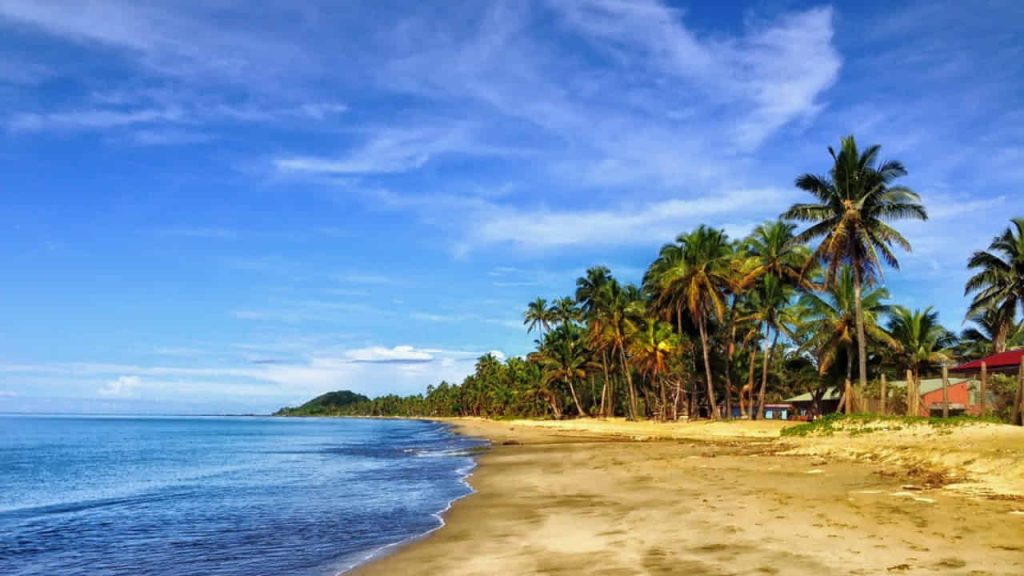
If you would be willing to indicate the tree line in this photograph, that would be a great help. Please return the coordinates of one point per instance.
(721, 326)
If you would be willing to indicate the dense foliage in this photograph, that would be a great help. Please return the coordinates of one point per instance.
(719, 327)
(329, 404)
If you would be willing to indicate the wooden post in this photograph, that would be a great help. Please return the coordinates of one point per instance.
(911, 410)
(884, 395)
(984, 387)
(945, 391)
(1019, 396)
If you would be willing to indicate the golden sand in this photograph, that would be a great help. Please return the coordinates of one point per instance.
(613, 497)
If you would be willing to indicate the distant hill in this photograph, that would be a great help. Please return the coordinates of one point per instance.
(329, 404)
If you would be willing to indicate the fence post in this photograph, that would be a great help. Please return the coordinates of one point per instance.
(945, 391)
(984, 387)
(884, 395)
(1019, 396)
(911, 409)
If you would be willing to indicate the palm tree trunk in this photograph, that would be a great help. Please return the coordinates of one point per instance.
(664, 395)
(862, 346)
(702, 324)
(730, 347)
(764, 372)
(604, 388)
(749, 408)
(575, 399)
(629, 383)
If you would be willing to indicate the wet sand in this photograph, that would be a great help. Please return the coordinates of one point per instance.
(583, 499)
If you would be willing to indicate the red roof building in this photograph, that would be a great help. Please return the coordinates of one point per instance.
(1008, 361)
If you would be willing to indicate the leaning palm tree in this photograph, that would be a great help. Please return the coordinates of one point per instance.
(998, 284)
(920, 341)
(537, 316)
(698, 277)
(855, 202)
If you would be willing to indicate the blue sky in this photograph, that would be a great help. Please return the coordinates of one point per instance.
(234, 206)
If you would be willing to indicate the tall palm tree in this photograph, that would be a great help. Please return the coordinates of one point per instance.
(537, 316)
(779, 265)
(854, 204)
(594, 294)
(998, 284)
(698, 278)
(921, 342)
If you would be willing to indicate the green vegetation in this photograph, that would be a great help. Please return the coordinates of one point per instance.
(858, 424)
(719, 327)
(329, 404)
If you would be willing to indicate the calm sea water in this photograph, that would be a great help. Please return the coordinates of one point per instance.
(218, 496)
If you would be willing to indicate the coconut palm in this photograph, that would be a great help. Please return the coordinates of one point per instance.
(921, 342)
(980, 339)
(650, 348)
(998, 284)
(831, 321)
(594, 294)
(562, 357)
(538, 317)
(564, 311)
(854, 204)
(697, 277)
(777, 266)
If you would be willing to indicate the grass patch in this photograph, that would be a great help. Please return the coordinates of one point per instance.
(857, 424)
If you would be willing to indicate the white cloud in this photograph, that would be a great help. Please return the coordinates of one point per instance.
(398, 354)
(392, 150)
(123, 387)
(654, 222)
(8, 394)
(174, 39)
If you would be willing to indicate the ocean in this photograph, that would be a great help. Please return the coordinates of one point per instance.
(228, 496)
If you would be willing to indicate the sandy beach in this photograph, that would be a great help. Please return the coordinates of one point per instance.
(595, 497)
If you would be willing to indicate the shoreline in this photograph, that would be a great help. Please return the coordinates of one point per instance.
(709, 498)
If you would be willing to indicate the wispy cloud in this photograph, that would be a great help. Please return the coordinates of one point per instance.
(627, 225)
(171, 39)
(393, 150)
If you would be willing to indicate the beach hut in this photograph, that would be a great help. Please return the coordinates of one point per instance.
(803, 405)
(1009, 362)
(963, 396)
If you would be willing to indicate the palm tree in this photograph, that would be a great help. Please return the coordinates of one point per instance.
(537, 316)
(999, 283)
(562, 357)
(831, 321)
(768, 301)
(650, 348)
(779, 266)
(980, 339)
(564, 311)
(697, 279)
(594, 295)
(854, 203)
(921, 342)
